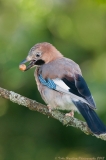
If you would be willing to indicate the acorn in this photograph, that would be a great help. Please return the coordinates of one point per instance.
(22, 67)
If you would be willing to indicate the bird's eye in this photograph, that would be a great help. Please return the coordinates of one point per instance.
(38, 54)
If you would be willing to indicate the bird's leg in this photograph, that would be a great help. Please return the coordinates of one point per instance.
(71, 114)
(50, 109)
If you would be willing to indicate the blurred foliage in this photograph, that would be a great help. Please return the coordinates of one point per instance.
(78, 29)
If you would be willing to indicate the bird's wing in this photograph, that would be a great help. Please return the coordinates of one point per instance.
(79, 87)
(76, 87)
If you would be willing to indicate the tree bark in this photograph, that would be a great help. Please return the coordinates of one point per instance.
(35, 106)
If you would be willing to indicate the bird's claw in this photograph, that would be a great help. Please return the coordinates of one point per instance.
(50, 109)
(70, 114)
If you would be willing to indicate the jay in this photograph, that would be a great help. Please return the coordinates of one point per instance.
(61, 84)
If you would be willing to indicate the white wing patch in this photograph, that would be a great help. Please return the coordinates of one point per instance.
(60, 83)
(62, 87)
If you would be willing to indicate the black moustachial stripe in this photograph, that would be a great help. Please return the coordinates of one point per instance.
(39, 62)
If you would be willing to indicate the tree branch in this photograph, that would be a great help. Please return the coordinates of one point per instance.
(35, 106)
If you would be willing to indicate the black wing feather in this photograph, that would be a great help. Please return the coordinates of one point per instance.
(84, 90)
(71, 85)
(79, 87)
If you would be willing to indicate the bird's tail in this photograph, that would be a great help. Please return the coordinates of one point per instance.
(92, 119)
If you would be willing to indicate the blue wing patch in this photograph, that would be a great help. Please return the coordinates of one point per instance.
(49, 83)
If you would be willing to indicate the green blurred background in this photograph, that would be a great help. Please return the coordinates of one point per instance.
(78, 29)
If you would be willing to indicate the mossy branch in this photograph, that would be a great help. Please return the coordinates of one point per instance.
(35, 106)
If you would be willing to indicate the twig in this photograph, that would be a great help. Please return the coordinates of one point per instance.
(35, 106)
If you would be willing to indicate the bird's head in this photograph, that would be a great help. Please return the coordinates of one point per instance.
(39, 54)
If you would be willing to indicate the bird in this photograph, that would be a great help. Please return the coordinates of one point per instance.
(61, 84)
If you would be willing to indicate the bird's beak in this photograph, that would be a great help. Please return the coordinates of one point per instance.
(30, 65)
